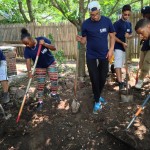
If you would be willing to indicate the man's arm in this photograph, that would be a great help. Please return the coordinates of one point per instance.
(128, 35)
(121, 42)
(111, 47)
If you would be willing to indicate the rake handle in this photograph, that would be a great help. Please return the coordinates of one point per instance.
(139, 111)
(29, 83)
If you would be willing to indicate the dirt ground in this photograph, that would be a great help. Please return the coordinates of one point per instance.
(57, 128)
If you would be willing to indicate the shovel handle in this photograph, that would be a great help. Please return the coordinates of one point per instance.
(139, 111)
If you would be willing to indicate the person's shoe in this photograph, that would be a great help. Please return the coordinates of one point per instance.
(103, 101)
(121, 86)
(5, 98)
(97, 107)
(39, 106)
(139, 84)
(55, 97)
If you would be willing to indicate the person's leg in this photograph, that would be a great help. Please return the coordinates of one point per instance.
(145, 67)
(142, 56)
(118, 64)
(40, 76)
(4, 81)
(94, 77)
(103, 71)
(53, 75)
(5, 86)
(93, 70)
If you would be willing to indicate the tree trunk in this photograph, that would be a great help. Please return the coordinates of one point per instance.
(22, 11)
(81, 57)
(30, 10)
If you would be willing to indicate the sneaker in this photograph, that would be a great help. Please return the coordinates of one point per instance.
(55, 97)
(97, 108)
(39, 106)
(121, 86)
(103, 101)
(5, 98)
(139, 84)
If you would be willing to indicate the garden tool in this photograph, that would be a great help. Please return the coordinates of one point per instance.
(137, 76)
(75, 105)
(4, 114)
(29, 83)
(126, 96)
(138, 111)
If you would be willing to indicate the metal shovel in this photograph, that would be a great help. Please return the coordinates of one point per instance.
(75, 105)
(4, 114)
(126, 96)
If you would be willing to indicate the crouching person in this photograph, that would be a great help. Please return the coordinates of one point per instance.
(46, 64)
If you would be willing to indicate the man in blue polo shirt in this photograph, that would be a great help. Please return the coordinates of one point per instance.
(144, 64)
(123, 30)
(3, 78)
(95, 31)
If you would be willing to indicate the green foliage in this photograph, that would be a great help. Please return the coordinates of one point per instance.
(9, 11)
(50, 36)
(60, 57)
(61, 60)
(45, 12)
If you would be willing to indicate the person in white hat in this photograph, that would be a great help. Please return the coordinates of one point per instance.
(95, 31)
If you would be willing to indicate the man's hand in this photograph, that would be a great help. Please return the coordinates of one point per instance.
(125, 45)
(128, 36)
(78, 38)
(109, 54)
(81, 39)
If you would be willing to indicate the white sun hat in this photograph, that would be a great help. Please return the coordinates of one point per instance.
(94, 5)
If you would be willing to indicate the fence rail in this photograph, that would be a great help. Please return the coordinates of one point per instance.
(64, 35)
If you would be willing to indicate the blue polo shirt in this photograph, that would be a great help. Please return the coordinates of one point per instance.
(2, 57)
(122, 27)
(146, 45)
(96, 33)
(45, 59)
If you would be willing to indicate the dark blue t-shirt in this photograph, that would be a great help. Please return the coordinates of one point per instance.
(45, 59)
(122, 27)
(96, 33)
(146, 45)
(2, 57)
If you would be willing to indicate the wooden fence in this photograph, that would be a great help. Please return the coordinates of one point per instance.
(63, 33)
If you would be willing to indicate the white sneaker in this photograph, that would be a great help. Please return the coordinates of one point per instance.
(139, 84)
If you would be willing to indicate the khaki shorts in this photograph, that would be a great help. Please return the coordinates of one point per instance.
(119, 58)
(3, 70)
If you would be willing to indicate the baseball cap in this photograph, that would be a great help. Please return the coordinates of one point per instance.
(94, 5)
(145, 10)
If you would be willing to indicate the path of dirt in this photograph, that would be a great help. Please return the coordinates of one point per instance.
(56, 128)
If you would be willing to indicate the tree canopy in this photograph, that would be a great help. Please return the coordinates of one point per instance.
(19, 11)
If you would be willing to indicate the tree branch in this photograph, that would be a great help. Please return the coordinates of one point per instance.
(57, 6)
(22, 11)
(30, 10)
(113, 8)
(129, 4)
